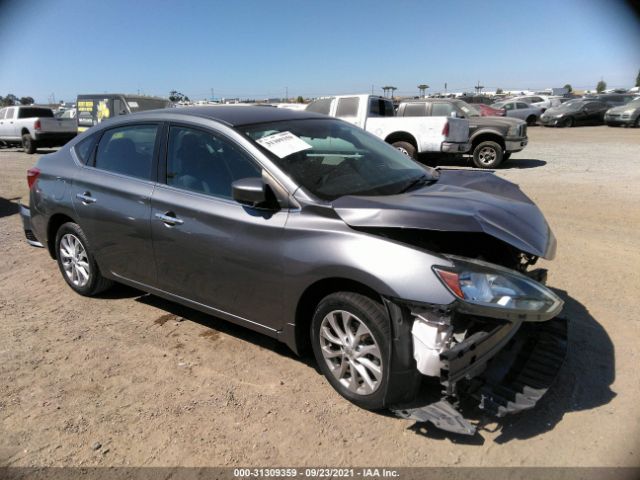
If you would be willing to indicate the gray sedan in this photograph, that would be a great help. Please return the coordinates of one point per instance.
(312, 231)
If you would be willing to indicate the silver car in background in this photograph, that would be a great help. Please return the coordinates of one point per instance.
(520, 109)
(626, 115)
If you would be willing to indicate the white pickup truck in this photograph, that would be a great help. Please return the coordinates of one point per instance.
(410, 135)
(34, 127)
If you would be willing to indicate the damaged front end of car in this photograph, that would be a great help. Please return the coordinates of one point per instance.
(500, 344)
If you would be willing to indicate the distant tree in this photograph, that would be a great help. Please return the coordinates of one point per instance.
(568, 87)
(601, 87)
(9, 100)
(638, 79)
(499, 91)
(300, 99)
(176, 96)
(26, 100)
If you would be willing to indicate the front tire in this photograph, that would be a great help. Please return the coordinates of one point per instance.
(405, 148)
(350, 335)
(487, 155)
(568, 123)
(29, 144)
(76, 262)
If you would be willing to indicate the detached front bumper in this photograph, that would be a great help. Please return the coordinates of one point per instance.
(502, 370)
(454, 147)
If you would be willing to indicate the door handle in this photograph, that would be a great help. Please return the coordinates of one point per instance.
(169, 218)
(86, 198)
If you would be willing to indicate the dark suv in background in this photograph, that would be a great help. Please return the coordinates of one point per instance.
(493, 139)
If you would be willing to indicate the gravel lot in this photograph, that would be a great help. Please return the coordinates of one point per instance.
(156, 384)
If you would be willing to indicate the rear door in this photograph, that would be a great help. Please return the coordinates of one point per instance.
(8, 127)
(112, 195)
(210, 249)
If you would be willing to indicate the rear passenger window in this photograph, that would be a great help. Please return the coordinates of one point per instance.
(206, 163)
(84, 149)
(347, 107)
(522, 105)
(128, 150)
(415, 110)
(441, 109)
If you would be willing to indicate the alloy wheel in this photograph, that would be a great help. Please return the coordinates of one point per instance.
(351, 352)
(487, 155)
(75, 261)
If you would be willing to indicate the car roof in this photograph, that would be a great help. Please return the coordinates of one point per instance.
(238, 115)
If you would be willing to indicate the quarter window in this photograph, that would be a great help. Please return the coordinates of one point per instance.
(84, 149)
(415, 110)
(522, 105)
(320, 106)
(347, 107)
(202, 162)
(128, 150)
(441, 109)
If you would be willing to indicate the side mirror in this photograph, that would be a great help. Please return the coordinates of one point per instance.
(249, 191)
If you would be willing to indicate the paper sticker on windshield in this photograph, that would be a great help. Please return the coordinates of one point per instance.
(283, 144)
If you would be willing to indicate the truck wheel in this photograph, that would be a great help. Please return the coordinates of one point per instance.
(531, 120)
(351, 335)
(487, 155)
(29, 144)
(406, 148)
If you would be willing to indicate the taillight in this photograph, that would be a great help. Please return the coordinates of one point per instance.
(445, 129)
(37, 125)
(32, 176)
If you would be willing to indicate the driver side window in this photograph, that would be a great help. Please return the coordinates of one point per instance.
(202, 162)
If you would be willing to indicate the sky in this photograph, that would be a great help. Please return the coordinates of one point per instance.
(260, 49)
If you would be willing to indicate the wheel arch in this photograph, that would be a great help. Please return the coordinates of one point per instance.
(401, 137)
(487, 137)
(55, 222)
(25, 131)
(312, 296)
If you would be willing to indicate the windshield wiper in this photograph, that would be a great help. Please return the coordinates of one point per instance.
(419, 181)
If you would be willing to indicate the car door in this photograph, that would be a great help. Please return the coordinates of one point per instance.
(522, 110)
(112, 198)
(8, 125)
(208, 248)
(594, 113)
(510, 108)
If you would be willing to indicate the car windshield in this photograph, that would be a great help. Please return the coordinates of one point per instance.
(469, 110)
(331, 158)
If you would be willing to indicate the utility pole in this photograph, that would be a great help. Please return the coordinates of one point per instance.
(445, 88)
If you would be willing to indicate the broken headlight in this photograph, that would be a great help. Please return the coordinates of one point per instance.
(490, 290)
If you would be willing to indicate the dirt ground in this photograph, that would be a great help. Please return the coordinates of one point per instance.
(156, 384)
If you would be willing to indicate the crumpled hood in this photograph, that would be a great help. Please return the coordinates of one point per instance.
(460, 201)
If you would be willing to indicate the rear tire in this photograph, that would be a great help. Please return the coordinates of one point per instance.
(76, 262)
(532, 120)
(637, 124)
(351, 337)
(406, 148)
(487, 155)
(29, 144)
